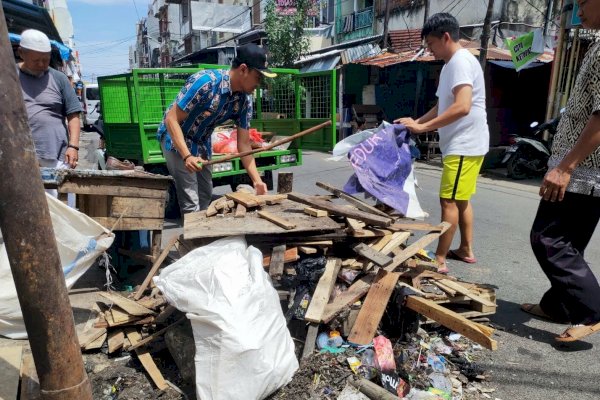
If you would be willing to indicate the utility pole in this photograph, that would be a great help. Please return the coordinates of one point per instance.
(385, 24)
(426, 12)
(485, 34)
(31, 247)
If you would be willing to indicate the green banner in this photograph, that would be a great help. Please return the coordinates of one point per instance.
(521, 50)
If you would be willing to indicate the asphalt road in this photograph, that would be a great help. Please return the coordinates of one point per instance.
(528, 363)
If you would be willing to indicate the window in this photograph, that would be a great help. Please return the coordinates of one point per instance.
(92, 93)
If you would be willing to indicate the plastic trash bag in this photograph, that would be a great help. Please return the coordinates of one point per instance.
(243, 347)
(383, 168)
(80, 241)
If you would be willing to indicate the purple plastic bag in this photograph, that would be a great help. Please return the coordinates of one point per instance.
(381, 165)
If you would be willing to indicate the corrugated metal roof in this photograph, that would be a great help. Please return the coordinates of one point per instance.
(323, 64)
(494, 53)
(405, 39)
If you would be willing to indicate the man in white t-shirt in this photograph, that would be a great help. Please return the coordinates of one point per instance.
(461, 121)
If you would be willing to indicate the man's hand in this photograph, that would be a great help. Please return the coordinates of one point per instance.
(71, 157)
(260, 187)
(412, 125)
(555, 184)
(192, 164)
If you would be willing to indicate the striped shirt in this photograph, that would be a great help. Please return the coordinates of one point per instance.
(208, 100)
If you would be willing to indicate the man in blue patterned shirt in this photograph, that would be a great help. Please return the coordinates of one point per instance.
(208, 99)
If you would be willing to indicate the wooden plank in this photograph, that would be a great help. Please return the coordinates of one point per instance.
(89, 333)
(396, 240)
(290, 255)
(373, 307)
(307, 250)
(372, 255)
(240, 211)
(413, 226)
(211, 210)
(483, 305)
(155, 335)
(131, 224)
(161, 258)
(30, 386)
(130, 207)
(96, 344)
(246, 199)
(285, 224)
(415, 247)
(323, 290)
(370, 233)
(146, 359)
(197, 225)
(116, 340)
(474, 331)
(350, 296)
(95, 206)
(107, 190)
(310, 341)
(272, 199)
(126, 304)
(10, 369)
(361, 287)
(132, 321)
(119, 316)
(277, 261)
(361, 205)
(355, 226)
(314, 212)
(371, 219)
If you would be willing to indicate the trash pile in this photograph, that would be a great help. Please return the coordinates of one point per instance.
(358, 294)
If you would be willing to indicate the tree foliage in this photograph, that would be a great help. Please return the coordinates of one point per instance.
(285, 33)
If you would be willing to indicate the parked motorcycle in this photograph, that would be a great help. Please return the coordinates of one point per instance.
(528, 156)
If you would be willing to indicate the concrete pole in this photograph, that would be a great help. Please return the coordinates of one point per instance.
(31, 247)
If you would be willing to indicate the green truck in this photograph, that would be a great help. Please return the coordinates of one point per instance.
(133, 105)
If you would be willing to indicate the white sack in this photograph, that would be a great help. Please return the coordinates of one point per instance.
(243, 347)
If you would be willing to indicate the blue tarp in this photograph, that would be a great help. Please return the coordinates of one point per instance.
(65, 52)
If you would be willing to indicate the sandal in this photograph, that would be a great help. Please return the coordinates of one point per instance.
(577, 332)
(536, 310)
(452, 254)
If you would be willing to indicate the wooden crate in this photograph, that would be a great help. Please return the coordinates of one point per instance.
(125, 200)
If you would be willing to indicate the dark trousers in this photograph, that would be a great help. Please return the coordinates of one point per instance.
(560, 233)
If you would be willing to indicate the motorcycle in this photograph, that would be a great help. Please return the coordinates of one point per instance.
(528, 156)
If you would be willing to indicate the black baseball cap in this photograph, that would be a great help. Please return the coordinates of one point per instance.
(254, 57)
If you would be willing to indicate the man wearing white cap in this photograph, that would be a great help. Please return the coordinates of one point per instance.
(49, 100)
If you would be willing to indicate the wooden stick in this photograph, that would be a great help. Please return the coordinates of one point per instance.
(371, 219)
(285, 224)
(474, 331)
(269, 147)
(155, 268)
(155, 335)
(361, 205)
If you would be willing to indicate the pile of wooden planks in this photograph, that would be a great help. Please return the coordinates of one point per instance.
(371, 255)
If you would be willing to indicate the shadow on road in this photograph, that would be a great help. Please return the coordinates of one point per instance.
(512, 320)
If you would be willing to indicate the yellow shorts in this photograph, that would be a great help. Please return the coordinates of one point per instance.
(459, 177)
